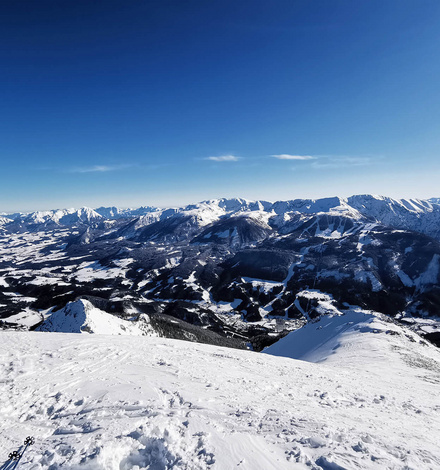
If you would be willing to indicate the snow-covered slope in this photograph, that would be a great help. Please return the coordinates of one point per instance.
(410, 214)
(354, 336)
(82, 317)
(237, 231)
(117, 402)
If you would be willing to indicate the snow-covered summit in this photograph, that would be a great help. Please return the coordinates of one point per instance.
(82, 317)
(118, 213)
(231, 205)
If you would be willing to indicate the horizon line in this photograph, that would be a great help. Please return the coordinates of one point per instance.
(5, 214)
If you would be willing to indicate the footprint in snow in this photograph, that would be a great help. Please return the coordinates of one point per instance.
(170, 447)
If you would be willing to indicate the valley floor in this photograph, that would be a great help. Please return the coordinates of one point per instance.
(121, 402)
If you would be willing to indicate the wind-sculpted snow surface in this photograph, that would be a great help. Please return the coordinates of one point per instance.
(117, 402)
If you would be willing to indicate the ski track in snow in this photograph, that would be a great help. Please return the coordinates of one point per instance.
(102, 402)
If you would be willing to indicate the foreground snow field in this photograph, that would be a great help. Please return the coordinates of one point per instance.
(130, 402)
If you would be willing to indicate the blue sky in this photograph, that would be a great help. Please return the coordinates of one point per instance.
(170, 102)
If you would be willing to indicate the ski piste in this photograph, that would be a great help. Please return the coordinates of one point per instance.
(16, 455)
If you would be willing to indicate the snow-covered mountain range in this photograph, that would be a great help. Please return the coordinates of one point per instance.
(410, 214)
(48, 219)
(238, 268)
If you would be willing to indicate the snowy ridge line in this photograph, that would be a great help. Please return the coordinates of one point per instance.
(408, 214)
(354, 204)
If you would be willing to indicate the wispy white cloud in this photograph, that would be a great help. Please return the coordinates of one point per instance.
(223, 158)
(285, 156)
(342, 161)
(99, 168)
